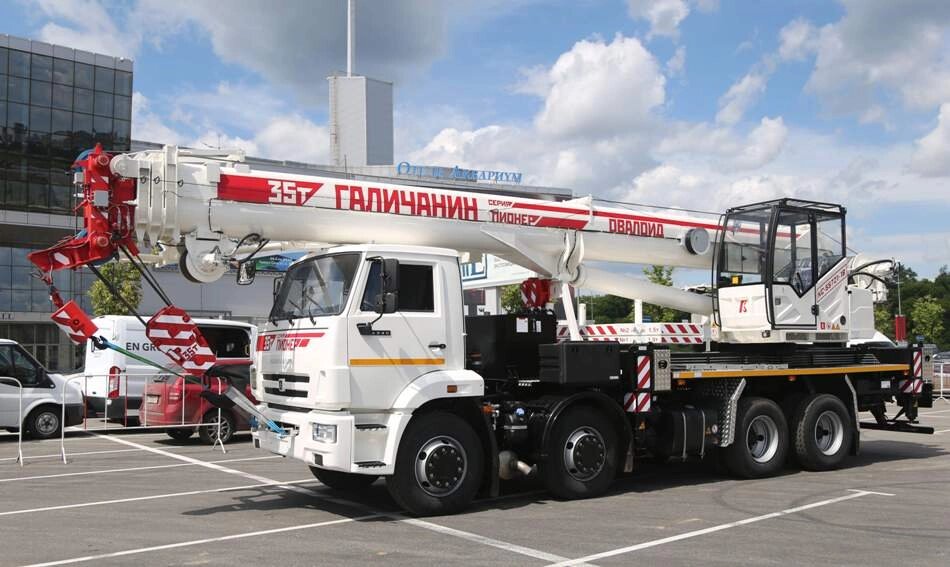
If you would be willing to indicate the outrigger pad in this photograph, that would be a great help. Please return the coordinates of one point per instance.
(175, 334)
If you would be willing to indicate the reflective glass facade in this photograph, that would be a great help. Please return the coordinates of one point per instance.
(51, 109)
(55, 102)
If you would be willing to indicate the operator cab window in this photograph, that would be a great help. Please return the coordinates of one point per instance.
(416, 288)
(745, 248)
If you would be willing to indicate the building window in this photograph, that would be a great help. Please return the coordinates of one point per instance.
(63, 72)
(19, 63)
(105, 79)
(41, 93)
(83, 76)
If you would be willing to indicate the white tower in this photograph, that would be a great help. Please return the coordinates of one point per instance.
(361, 111)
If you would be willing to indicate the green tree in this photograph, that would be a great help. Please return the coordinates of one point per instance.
(511, 300)
(606, 309)
(126, 280)
(927, 318)
(884, 321)
(661, 275)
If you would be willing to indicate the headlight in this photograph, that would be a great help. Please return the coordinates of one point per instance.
(324, 433)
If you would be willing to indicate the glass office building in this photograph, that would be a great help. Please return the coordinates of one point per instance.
(55, 102)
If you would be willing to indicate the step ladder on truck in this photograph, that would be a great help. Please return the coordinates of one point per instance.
(368, 368)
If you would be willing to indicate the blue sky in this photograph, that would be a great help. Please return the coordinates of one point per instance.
(699, 103)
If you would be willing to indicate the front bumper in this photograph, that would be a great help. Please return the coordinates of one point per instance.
(367, 451)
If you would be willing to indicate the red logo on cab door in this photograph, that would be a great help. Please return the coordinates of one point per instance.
(286, 341)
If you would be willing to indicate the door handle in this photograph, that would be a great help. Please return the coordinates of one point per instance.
(437, 345)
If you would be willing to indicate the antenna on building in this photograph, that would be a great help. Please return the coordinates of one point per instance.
(350, 36)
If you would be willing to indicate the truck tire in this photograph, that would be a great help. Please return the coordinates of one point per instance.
(180, 434)
(581, 455)
(439, 465)
(344, 482)
(208, 433)
(822, 432)
(44, 422)
(761, 442)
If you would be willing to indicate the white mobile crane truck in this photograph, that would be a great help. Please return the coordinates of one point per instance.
(368, 367)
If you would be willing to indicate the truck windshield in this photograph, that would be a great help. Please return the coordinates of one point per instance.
(316, 287)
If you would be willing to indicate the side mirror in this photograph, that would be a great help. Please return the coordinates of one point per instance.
(388, 299)
(278, 281)
(246, 272)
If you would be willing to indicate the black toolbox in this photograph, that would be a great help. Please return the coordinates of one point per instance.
(580, 363)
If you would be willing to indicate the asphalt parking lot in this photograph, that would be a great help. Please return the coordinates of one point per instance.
(141, 498)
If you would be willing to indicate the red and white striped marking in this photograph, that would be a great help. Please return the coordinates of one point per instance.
(918, 364)
(912, 386)
(660, 333)
(637, 402)
(176, 335)
(74, 322)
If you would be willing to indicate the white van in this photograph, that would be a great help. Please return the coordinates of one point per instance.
(114, 383)
(42, 394)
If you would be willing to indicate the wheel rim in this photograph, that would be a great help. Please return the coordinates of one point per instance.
(225, 429)
(46, 423)
(829, 433)
(585, 453)
(762, 438)
(441, 465)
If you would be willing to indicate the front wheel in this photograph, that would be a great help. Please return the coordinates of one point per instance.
(209, 433)
(581, 455)
(342, 481)
(761, 441)
(438, 466)
(822, 431)
(44, 423)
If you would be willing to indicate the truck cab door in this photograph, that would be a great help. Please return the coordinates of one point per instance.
(389, 351)
(16, 363)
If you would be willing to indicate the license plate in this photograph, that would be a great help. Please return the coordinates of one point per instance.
(151, 399)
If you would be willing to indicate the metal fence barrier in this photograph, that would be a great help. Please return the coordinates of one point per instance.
(123, 393)
(19, 441)
(941, 380)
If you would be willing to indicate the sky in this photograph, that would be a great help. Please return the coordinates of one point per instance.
(702, 104)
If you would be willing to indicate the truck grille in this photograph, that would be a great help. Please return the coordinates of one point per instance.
(286, 385)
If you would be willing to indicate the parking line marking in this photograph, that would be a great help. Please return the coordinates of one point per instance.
(204, 541)
(301, 490)
(941, 431)
(155, 497)
(504, 545)
(933, 412)
(131, 469)
(647, 544)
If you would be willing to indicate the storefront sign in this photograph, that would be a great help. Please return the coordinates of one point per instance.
(458, 174)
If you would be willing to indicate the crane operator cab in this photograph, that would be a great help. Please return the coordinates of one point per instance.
(781, 275)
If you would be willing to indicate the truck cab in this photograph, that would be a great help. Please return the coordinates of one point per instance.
(42, 394)
(359, 338)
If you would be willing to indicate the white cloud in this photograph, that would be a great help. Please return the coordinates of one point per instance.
(932, 156)
(877, 50)
(664, 16)
(149, 126)
(676, 64)
(722, 147)
(797, 40)
(86, 24)
(740, 97)
(601, 89)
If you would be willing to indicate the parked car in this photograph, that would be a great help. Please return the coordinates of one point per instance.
(170, 400)
(42, 394)
(114, 383)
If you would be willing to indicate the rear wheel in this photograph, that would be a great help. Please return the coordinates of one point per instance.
(342, 481)
(180, 434)
(209, 433)
(822, 432)
(438, 466)
(581, 455)
(761, 441)
(44, 422)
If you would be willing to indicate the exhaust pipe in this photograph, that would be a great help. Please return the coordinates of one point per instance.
(509, 467)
